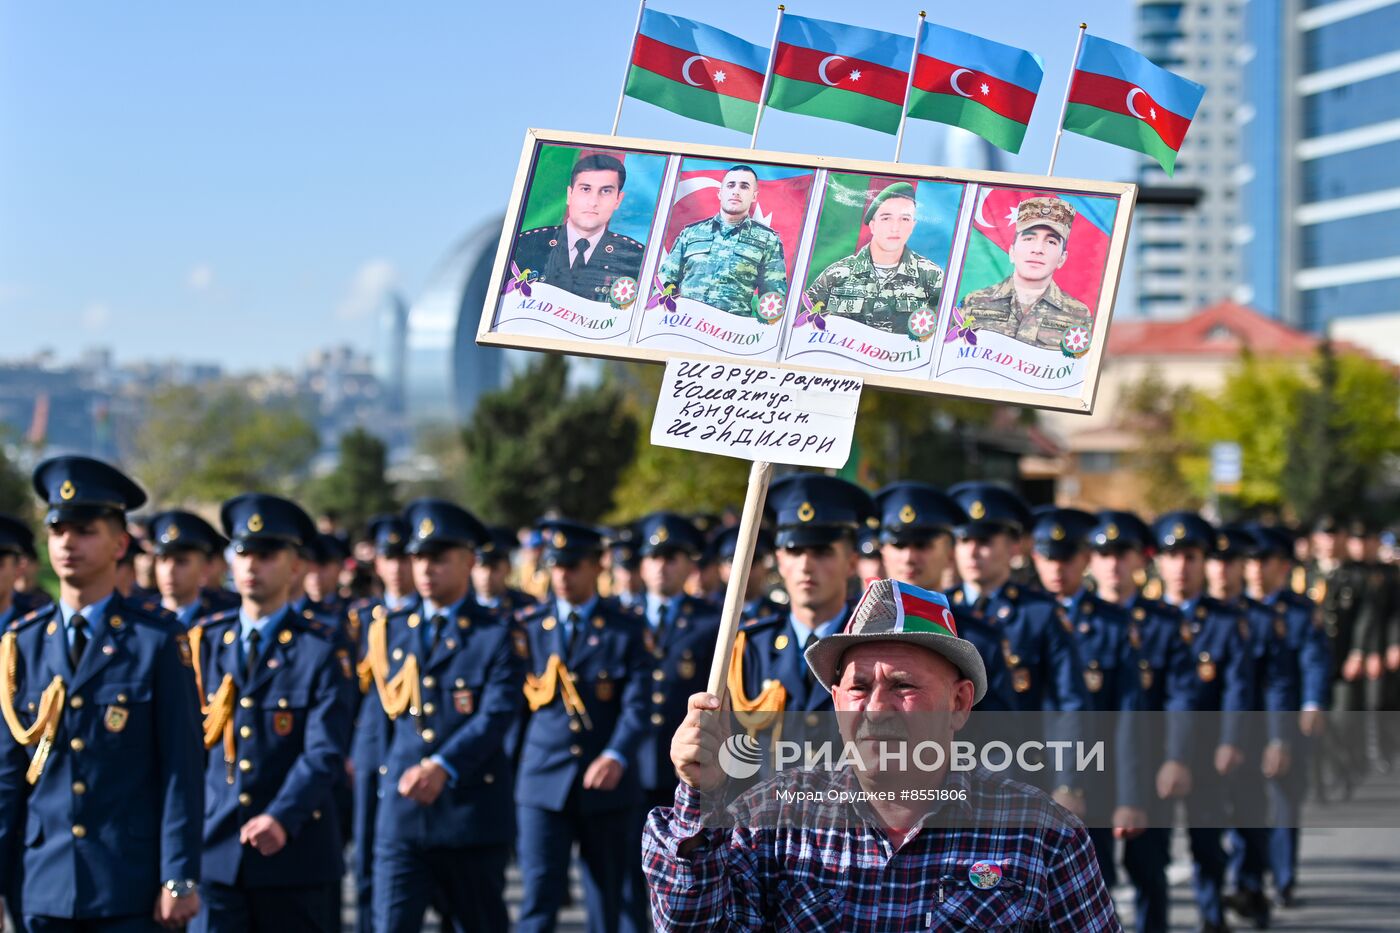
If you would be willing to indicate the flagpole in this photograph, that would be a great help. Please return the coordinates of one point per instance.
(767, 77)
(627, 68)
(1064, 106)
(909, 85)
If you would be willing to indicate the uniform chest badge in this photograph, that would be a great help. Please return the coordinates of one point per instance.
(282, 723)
(604, 690)
(116, 718)
(685, 668)
(463, 702)
(1093, 679)
(1205, 668)
(1021, 680)
(984, 875)
(1145, 678)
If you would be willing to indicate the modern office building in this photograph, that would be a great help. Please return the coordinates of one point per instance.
(1323, 165)
(1185, 234)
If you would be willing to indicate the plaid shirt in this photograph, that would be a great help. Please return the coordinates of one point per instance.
(786, 866)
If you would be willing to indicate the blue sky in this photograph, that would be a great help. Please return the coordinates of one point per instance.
(240, 183)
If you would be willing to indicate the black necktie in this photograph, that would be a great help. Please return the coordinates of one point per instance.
(661, 620)
(250, 661)
(580, 248)
(807, 668)
(80, 639)
(574, 625)
(439, 623)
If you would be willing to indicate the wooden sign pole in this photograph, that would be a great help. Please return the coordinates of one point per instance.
(760, 475)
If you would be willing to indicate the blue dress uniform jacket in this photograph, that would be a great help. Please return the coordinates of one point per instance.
(1040, 666)
(771, 653)
(471, 692)
(1166, 666)
(291, 721)
(1111, 677)
(116, 811)
(683, 654)
(613, 672)
(1220, 639)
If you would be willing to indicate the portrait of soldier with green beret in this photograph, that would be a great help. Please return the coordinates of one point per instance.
(885, 281)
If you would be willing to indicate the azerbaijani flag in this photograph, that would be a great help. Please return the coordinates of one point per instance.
(975, 83)
(840, 72)
(697, 71)
(921, 610)
(1120, 97)
(994, 228)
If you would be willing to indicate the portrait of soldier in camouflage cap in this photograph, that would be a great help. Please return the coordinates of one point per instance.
(1028, 306)
(885, 281)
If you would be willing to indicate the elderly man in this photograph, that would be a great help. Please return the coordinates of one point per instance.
(1008, 856)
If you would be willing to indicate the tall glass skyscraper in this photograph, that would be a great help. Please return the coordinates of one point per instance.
(1323, 154)
(1188, 246)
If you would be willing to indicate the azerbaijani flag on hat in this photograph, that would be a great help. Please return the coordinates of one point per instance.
(921, 610)
(839, 72)
(975, 83)
(697, 71)
(1120, 97)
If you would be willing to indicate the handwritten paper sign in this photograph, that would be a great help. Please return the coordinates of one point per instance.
(757, 412)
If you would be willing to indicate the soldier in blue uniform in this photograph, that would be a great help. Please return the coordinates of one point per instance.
(490, 572)
(15, 538)
(1219, 636)
(1026, 639)
(757, 602)
(389, 533)
(681, 634)
(1115, 802)
(100, 795)
(1120, 543)
(448, 677)
(29, 595)
(817, 519)
(1302, 661)
(625, 567)
(587, 688)
(183, 543)
(276, 686)
(326, 555)
(581, 255)
(916, 533)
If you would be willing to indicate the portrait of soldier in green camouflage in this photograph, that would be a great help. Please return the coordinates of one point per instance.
(885, 281)
(1028, 306)
(726, 260)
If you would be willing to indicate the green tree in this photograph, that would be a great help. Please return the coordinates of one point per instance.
(668, 477)
(1256, 408)
(536, 445)
(205, 446)
(1150, 409)
(1347, 428)
(357, 488)
(16, 495)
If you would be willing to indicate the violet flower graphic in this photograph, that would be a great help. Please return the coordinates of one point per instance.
(663, 294)
(961, 328)
(813, 313)
(520, 281)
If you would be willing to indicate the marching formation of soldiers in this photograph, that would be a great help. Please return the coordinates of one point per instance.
(191, 754)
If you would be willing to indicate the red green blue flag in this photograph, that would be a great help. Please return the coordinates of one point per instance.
(1119, 97)
(974, 83)
(697, 71)
(839, 72)
(921, 610)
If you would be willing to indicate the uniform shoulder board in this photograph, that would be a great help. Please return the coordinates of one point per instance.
(537, 230)
(629, 241)
(762, 622)
(33, 616)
